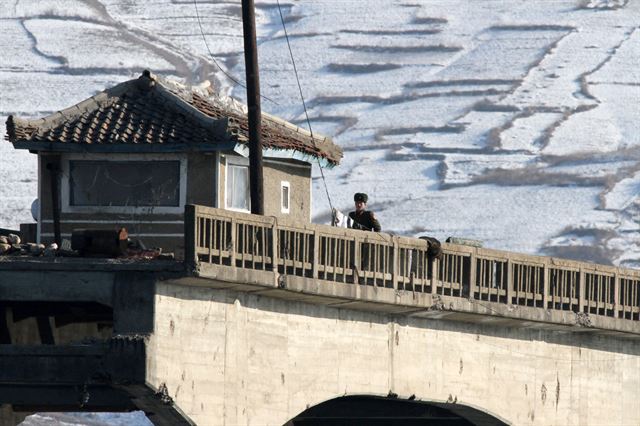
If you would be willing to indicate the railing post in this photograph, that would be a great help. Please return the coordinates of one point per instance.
(316, 253)
(510, 284)
(190, 238)
(435, 271)
(275, 237)
(545, 284)
(357, 262)
(395, 263)
(234, 243)
(581, 287)
(473, 270)
(616, 293)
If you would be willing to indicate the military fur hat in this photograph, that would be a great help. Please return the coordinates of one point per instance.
(360, 196)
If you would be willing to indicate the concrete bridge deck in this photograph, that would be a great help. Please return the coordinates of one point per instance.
(269, 323)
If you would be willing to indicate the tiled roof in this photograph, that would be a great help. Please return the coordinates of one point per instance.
(152, 111)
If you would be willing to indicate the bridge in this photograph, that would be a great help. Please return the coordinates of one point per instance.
(269, 322)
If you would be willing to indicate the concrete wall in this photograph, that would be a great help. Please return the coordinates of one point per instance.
(234, 358)
(299, 177)
(275, 171)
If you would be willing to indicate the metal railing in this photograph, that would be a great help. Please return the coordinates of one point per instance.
(356, 257)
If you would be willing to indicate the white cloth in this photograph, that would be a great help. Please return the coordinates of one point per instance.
(341, 220)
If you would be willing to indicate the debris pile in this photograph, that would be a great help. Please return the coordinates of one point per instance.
(85, 243)
(12, 245)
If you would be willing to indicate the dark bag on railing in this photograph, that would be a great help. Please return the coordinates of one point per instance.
(434, 249)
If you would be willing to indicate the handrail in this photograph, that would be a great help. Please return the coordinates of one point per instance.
(350, 256)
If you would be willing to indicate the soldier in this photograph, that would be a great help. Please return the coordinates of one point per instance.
(363, 219)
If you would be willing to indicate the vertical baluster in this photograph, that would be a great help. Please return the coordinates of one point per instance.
(446, 273)
(357, 259)
(245, 244)
(210, 222)
(275, 244)
(537, 293)
(616, 294)
(325, 256)
(495, 267)
(473, 259)
(545, 285)
(381, 263)
(597, 292)
(481, 278)
(581, 291)
(529, 281)
(306, 238)
(229, 242)
(263, 247)
(333, 257)
(454, 269)
(315, 253)
(339, 256)
(294, 251)
(435, 275)
(345, 261)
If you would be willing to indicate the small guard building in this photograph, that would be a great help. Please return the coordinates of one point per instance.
(135, 154)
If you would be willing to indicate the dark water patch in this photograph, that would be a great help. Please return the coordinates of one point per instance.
(398, 99)
(535, 176)
(462, 82)
(395, 155)
(542, 27)
(310, 34)
(337, 100)
(392, 32)
(398, 49)
(463, 93)
(56, 17)
(429, 21)
(455, 129)
(487, 106)
(360, 68)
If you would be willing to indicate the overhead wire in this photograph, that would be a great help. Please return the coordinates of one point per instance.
(304, 104)
(229, 76)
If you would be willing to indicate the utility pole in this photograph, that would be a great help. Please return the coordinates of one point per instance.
(253, 102)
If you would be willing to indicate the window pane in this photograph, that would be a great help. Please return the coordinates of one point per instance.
(285, 197)
(124, 183)
(238, 187)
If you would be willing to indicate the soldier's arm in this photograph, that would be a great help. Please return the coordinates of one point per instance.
(375, 224)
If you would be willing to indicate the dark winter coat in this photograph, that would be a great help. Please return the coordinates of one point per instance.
(366, 221)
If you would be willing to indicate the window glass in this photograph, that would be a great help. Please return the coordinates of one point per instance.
(285, 197)
(124, 183)
(238, 187)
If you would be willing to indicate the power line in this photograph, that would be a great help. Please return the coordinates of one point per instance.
(229, 76)
(304, 105)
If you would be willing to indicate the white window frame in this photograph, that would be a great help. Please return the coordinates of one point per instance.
(65, 195)
(285, 184)
(235, 161)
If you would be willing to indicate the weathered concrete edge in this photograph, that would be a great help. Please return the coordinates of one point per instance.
(25, 263)
(400, 302)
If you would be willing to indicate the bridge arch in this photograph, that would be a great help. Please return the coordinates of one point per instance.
(391, 410)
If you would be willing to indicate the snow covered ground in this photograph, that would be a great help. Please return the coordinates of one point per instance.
(516, 122)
